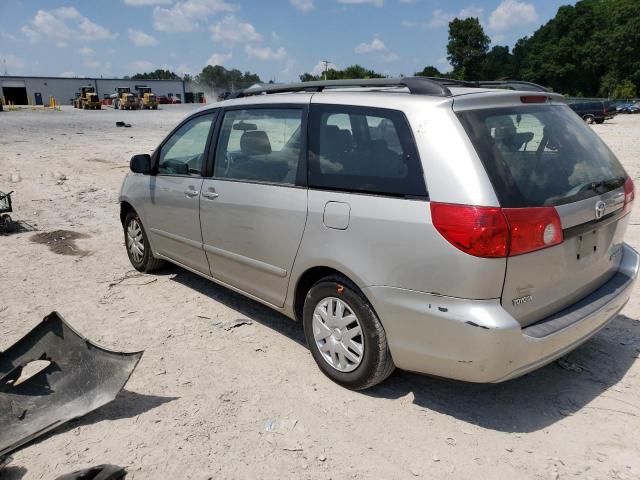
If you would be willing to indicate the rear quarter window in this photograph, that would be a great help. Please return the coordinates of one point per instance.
(363, 150)
(541, 155)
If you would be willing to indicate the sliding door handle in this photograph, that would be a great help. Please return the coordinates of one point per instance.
(210, 195)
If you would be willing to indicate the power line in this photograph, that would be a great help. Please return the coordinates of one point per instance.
(326, 67)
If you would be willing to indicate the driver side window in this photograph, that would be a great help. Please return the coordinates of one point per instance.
(183, 153)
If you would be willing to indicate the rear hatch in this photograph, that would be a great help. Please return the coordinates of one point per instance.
(543, 159)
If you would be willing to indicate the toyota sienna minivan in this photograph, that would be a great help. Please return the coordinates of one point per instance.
(465, 232)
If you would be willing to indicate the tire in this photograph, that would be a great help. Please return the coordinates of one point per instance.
(589, 119)
(374, 363)
(144, 262)
(600, 121)
(7, 224)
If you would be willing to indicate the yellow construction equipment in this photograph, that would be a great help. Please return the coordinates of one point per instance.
(146, 98)
(87, 98)
(124, 99)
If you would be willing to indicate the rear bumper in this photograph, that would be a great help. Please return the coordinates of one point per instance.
(479, 341)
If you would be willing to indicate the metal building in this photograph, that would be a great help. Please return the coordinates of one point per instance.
(36, 90)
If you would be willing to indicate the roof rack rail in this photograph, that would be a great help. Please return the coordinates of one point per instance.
(509, 84)
(435, 86)
(416, 85)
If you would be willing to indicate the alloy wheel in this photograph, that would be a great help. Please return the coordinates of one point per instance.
(338, 334)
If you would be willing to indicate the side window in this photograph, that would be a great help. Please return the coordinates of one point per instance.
(363, 149)
(183, 153)
(259, 145)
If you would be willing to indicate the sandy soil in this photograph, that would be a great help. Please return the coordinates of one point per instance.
(209, 401)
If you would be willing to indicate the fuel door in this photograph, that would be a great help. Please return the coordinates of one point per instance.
(336, 215)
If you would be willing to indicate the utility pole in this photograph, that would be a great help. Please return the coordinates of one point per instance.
(4, 61)
(326, 67)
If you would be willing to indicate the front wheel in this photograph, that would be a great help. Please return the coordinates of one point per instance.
(589, 119)
(137, 243)
(344, 334)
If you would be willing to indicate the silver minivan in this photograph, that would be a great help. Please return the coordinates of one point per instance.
(469, 233)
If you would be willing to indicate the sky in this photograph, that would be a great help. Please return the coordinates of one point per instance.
(277, 39)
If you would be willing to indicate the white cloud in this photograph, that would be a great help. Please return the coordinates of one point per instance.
(408, 2)
(68, 74)
(441, 18)
(187, 15)
(288, 68)
(183, 68)
(265, 53)
(377, 3)
(13, 63)
(319, 68)
(143, 3)
(219, 58)
(64, 25)
(409, 24)
(9, 36)
(511, 14)
(97, 66)
(230, 31)
(86, 51)
(390, 57)
(471, 11)
(141, 66)
(303, 5)
(141, 39)
(376, 45)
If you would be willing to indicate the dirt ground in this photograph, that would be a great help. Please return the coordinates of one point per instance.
(209, 401)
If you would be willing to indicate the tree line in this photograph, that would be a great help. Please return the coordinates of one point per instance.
(589, 49)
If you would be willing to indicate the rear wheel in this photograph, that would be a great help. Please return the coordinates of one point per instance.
(138, 249)
(344, 334)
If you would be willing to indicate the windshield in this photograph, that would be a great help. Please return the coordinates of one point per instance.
(541, 155)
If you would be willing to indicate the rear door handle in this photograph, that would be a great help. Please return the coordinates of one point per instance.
(191, 193)
(210, 195)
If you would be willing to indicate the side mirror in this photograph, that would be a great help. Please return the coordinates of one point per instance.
(140, 164)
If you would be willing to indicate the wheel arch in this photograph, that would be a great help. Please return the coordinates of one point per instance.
(125, 209)
(311, 276)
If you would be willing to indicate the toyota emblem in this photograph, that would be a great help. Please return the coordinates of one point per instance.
(600, 208)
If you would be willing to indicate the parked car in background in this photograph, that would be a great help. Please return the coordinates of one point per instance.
(628, 108)
(163, 100)
(594, 111)
(461, 232)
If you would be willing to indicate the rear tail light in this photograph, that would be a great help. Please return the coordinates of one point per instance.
(492, 232)
(629, 195)
(532, 229)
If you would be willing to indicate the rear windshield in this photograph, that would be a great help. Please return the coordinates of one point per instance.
(542, 155)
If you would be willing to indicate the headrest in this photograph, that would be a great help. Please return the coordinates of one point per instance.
(255, 142)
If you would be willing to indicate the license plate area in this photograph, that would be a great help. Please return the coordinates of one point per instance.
(587, 245)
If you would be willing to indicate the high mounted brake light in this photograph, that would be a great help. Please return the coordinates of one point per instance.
(493, 232)
(534, 98)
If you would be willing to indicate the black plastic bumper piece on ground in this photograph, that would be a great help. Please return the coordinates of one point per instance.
(101, 472)
(78, 378)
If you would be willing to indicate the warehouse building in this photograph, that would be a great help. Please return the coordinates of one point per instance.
(37, 90)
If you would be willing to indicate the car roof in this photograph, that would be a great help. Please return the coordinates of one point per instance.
(461, 97)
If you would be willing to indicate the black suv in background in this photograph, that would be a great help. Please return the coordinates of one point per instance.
(594, 112)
